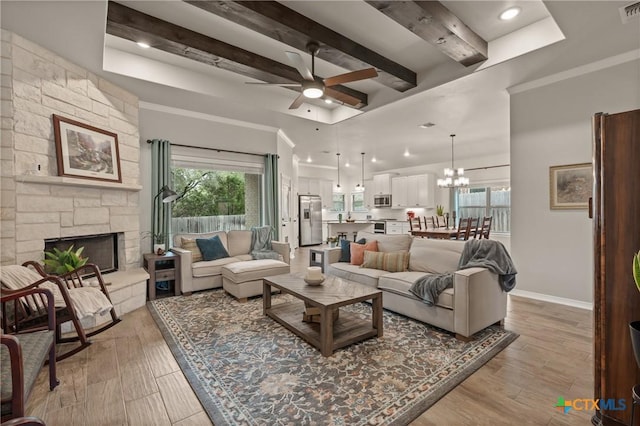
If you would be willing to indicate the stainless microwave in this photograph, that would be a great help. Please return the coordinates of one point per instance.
(382, 200)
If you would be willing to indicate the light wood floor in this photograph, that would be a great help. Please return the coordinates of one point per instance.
(128, 376)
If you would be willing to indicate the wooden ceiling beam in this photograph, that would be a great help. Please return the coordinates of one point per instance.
(136, 26)
(433, 22)
(290, 27)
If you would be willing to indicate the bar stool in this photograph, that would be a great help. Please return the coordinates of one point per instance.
(342, 235)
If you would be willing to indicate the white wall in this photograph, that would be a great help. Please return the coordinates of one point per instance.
(551, 125)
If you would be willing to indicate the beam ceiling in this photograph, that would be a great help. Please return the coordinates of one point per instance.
(433, 22)
(136, 26)
(290, 27)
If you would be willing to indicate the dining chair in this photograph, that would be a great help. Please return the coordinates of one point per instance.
(415, 224)
(429, 222)
(485, 230)
(474, 226)
(441, 222)
(463, 229)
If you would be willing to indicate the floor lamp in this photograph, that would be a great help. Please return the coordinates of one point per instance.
(168, 195)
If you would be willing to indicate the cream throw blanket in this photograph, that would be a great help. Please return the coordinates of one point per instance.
(87, 301)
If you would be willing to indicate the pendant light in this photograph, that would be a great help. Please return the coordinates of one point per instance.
(338, 184)
(360, 186)
(453, 178)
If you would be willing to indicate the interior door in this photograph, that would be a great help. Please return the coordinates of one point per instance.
(286, 213)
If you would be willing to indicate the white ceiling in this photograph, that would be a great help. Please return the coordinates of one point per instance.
(474, 105)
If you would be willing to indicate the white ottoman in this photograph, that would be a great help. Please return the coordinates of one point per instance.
(244, 279)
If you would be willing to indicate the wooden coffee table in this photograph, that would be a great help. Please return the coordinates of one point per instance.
(335, 292)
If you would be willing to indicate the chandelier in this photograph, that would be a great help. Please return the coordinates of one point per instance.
(453, 178)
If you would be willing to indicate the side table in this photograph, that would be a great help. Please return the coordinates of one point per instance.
(162, 267)
(316, 258)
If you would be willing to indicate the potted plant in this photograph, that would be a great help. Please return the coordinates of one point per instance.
(332, 241)
(159, 244)
(59, 262)
(634, 326)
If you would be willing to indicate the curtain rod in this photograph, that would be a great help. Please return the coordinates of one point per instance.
(488, 167)
(214, 149)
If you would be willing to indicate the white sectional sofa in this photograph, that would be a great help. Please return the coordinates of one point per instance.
(475, 301)
(242, 274)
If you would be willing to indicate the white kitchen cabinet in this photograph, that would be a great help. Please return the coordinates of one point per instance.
(368, 194)
(426, 191)
(382, 184)
(399, 192)
(399, 227)
(303, 186)
(413, 191)
(326, 193)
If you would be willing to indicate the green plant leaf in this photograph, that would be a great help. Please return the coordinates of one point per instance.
(636, 269)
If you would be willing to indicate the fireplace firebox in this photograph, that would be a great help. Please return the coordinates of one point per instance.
(101, 249)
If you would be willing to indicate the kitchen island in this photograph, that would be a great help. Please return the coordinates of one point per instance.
(350, 229)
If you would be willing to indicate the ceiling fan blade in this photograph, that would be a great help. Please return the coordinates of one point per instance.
(273, 84)
(342, 97)
(296, 61)
(351, 76)
(297, 102)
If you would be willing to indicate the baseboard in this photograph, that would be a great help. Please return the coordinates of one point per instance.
(553, 299)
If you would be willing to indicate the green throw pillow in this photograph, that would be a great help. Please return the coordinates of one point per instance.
(397, 261)
(212, 248)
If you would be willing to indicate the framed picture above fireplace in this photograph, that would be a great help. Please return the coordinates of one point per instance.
(85, 151)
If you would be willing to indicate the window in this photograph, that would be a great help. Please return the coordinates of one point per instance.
(338, 202)
(218, 191)
(357, 202)
(492, 201)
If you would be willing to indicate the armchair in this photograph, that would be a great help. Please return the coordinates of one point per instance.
(25, 352)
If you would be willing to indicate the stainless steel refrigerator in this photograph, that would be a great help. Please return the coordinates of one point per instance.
(310, 220)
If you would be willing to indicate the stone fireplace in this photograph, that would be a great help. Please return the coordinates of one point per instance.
(36, 204)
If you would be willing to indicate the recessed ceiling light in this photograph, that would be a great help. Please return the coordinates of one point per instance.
(143, 45)
(328, 101)
(510, 13)
(427, 125)
(346, 164)
(373, 159)
(406, 152)
(308, 158)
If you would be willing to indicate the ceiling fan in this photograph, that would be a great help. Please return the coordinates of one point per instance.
(315, 87)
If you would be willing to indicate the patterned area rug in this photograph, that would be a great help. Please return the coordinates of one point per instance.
(248, 370)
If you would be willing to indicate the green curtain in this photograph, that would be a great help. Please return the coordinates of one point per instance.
(271, 194)
(160, 176)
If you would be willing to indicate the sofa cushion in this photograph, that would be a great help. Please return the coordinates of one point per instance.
(252, 270)
(435, 256)
(357, 251)
(355, 273)
(400, 282)
(211, 267)
(239, 242)
(397, 261)
(388, 243)
(345, 247)
(212, 248)
(192, 246)
(177, 239)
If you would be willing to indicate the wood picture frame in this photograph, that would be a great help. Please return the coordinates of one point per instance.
(85, 151)
(570, 186)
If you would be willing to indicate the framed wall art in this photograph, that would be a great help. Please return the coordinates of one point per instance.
(570, 186)
(84, 151)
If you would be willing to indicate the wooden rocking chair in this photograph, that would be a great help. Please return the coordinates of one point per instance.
(65, 288)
